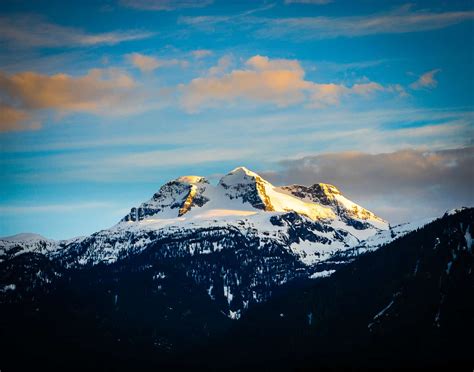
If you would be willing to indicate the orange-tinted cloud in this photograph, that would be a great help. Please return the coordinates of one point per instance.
(223, 64)
(100, 91)
(12, 119)
(276, 81)
(427, 80)
(147, 63)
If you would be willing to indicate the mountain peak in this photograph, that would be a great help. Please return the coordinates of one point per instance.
(243, 170)
(191, 180)
(240, 175)
(173, 199)
(327, 188)
(24, 237)
(249, 186)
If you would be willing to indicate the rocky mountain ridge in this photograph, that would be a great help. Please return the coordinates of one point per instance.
(241, 238)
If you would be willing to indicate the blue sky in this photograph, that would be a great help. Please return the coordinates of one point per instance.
(103, 102)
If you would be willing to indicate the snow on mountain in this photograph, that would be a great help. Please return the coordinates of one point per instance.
(329, 196)
(261, 194)
(24, 237)
(243, 192)
(242, 200)
(455, 211)
(242, 237)
(383, 237)
(15, 245)
(174, 199)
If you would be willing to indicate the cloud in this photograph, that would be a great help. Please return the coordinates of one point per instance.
(142, 62)
(236, 140)
(401, 186)
(201, 53)
(147, 64)
(139, 166)
(275, 81)
(54, 208)
(100, 91)
(167, 5)
(401, 20)
(164, 158)
(26, 96)
(316, 2)
(222, 66)
(262, 63)
(12, 119)
(33, 31)
(427, 80)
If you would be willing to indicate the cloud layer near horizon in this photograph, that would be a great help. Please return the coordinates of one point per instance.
(391, 183)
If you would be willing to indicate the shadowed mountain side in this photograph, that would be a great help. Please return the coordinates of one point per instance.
(408, 304)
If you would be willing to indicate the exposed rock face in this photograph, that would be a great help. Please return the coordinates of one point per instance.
(249, 186)
(328, 195)
(175, 197)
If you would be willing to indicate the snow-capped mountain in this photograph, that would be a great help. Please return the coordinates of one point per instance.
(171, 278)
(243, 192)
(242, 237)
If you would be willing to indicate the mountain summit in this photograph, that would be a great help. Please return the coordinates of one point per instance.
(242, 192)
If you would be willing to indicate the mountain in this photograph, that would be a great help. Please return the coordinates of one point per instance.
(187, 268)
(405, 304)
(269, 235)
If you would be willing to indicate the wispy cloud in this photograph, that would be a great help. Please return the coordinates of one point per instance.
(137, 166)
(166, 158)
(276, 81)
(166, 5)
(427, 80)
(209, 23)
(332, 129)
(235, 140)
(338, 67)
(51, 208)
(222, 66)
(22, 31)
(401, 20)
(314, 2)
(201, 53)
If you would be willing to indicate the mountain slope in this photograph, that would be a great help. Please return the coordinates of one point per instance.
(409, 303)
